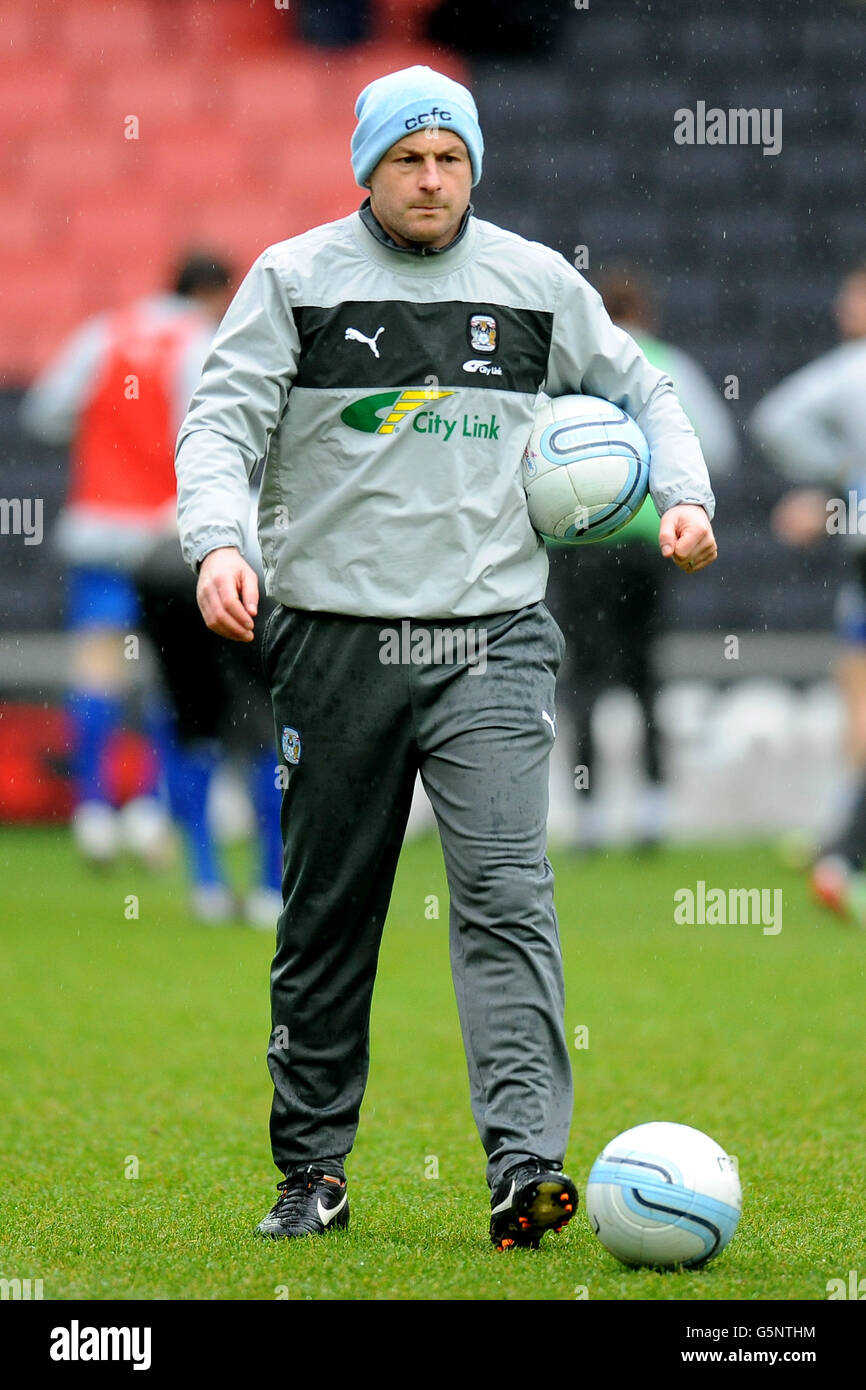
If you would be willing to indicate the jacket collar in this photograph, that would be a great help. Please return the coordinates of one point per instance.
(374, 226)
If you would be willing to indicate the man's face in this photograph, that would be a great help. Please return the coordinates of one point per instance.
(850, 306)
(420, 189)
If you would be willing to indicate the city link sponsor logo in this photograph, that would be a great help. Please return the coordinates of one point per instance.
(367, 413)
(437, 646)
(476, 364)
(383, 412)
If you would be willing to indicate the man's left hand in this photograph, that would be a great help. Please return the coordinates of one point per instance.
(686, 536)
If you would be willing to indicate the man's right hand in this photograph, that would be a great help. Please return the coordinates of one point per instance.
(228, 593)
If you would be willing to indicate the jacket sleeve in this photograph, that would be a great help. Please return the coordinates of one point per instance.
(52, 408)
(797, 423)
(589, 354)
(188, 374)
(234, 411)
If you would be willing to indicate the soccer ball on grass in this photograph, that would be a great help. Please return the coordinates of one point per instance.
(664, 1194)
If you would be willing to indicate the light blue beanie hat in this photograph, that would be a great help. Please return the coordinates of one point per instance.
(405, 102)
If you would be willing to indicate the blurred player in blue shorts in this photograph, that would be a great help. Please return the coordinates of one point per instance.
(116, 394)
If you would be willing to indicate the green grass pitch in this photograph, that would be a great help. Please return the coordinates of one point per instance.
(137, 1045)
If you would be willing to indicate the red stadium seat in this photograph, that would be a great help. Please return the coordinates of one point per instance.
(94, 33)
(35, 96)
(199, 162)
(311, 152)
(221, 29)
(275, 95)
(314, 174)
(110, 229)
(22, 228)
(242, 226)
(134, 278)
(18, 30)
(162, 95)
(67, 161)
(243, 140)
(36, 314)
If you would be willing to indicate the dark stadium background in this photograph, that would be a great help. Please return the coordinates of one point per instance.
(245, 114)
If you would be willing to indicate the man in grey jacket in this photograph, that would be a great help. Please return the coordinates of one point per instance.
(812, 428)
(385, 368)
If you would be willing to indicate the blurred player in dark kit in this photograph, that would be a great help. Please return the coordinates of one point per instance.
(607, 596)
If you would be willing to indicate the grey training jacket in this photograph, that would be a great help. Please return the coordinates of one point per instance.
(812, 425)
(390, 396)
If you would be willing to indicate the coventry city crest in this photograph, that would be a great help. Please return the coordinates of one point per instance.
(291, 745)
(482, 333)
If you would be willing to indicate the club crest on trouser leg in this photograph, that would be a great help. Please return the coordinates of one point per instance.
(291, 742)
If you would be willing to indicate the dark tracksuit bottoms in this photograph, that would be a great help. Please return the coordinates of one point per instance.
(353, 727)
